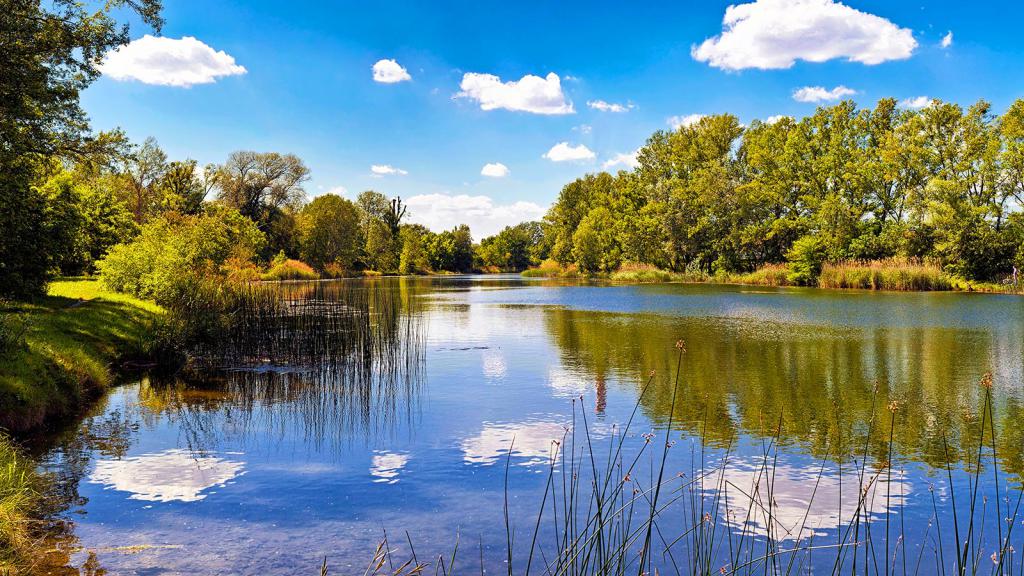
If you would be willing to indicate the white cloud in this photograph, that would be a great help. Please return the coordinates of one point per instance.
(609, 106)
(386, 170)
(947, 40)
(494, 170)
(916, 103)
(389, 72)
(528, 94)
(339, 190)
(168, 62)
(776, 118)
(770, 34)
(626, 159)
(820, 94)
(583, 128)
(562, 152)
(484, 216)
(676, 122)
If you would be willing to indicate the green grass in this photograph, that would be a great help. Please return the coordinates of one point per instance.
(66, 347)
(18, 497)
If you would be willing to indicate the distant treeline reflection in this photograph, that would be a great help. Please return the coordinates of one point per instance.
(824, 388)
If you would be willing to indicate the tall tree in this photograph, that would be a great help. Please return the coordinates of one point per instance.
(49, 52)
(258, 183)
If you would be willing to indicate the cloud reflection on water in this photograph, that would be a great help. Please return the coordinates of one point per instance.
(803, 501)
(385, 466)
(532, 442)
(171, 475)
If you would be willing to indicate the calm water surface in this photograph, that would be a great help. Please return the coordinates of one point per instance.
(268, 469)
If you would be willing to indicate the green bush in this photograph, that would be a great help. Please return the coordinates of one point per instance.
(171, 247)
(806, 258)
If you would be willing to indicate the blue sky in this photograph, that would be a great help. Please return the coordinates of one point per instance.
(298, 77)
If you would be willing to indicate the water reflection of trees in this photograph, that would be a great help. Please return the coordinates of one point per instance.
(330, 361)
(325, 363)
(830, 389)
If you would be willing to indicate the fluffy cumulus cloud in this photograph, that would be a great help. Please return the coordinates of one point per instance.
(677, 122)
(916, 103)
(494, 170)
(528, 94)
(624, 159)
(776, 118)
(163, 61)
(821, 94)
(947, 40)
(386, 170)
(563, 152)
(484, 216)
(389, 72)
(771, 34)
(337, 190)
(608, 106)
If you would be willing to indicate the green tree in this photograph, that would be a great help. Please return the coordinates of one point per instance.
(182, 188)
(413, 259)
(330, 232)
(49, 53)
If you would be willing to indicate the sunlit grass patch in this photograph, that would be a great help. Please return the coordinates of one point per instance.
(71, 337)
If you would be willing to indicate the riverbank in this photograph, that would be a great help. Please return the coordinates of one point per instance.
(58, 353)
(64, 349)
(877, 275)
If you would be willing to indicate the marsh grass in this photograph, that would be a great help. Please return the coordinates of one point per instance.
(18, 497)
(627, 510)
(890, 274)
(551, 269)
(290, 270)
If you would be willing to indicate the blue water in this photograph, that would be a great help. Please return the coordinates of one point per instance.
(210, 476)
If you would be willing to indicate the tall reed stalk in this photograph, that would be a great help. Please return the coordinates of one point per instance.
(627, 511)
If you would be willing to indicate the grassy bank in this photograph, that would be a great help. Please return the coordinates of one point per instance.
(893, 275)
(62, 348)
(18, 498)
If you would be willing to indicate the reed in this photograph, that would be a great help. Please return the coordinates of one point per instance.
(624, 509)
(889, 274)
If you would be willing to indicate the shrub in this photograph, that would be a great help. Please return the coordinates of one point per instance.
(641, 273)
(547, 268)
(767, 275)
(806, 258)
(290, 270)
(151, 265)
(12, 332)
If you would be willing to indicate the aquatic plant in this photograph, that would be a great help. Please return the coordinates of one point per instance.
(889, 274)
(611, 512)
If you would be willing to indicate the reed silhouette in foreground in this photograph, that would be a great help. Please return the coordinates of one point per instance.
(625, 509)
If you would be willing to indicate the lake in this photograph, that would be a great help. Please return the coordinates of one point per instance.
(485, 391)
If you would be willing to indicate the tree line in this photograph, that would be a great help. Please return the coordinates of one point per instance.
(942, 183)
(74, 201)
